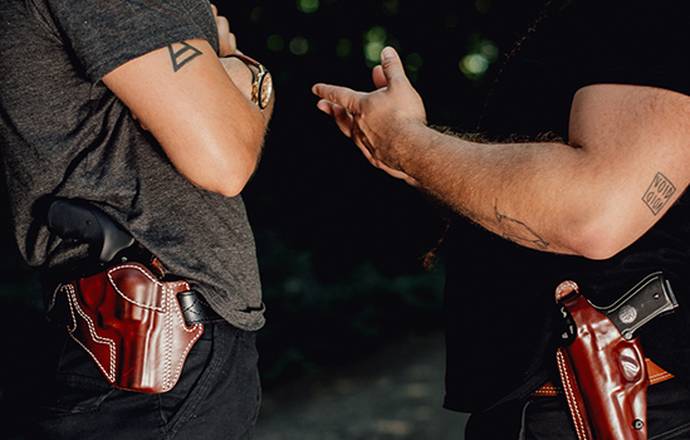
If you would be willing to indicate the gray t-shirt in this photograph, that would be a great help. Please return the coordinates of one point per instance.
(63, 133)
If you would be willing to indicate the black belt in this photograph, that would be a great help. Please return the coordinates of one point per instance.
(196, 310)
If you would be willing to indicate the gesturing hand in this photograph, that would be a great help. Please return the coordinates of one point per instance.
(379, 121)
(226, 39)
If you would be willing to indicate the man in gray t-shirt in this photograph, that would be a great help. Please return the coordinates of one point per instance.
(127, 104)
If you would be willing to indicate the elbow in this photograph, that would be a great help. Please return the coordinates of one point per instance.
(597, 247)
(237, 160)
(230, 179)
(228, 173)
(226, 163)
(598, 238)
(227, 188)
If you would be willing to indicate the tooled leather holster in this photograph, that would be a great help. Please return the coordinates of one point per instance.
(602, 368)
(132, 325)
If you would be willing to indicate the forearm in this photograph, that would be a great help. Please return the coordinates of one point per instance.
(540, 195)
(252, 116)
(241, 76)
(628, 167)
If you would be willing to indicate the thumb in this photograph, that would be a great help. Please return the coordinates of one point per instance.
(392, 67)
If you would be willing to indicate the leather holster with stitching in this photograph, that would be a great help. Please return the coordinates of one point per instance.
(604, 376)
(132, 326)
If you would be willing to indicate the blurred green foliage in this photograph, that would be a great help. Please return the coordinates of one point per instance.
(315, 323)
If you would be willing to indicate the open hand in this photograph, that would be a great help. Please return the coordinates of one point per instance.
(378, 122)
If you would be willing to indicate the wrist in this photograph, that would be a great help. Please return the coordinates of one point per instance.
(410, 141)
(262, 81)
(240, 74)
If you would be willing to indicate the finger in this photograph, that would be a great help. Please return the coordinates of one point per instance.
(342, 96)
(363, 143)
(223, 25)
(378, 77)
(214, 10)
(325, 106)
(226, 39)
(342, 118)
(232, 43)
(392, 67)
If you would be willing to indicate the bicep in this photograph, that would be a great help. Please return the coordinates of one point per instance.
(185, 98)
(637, 143)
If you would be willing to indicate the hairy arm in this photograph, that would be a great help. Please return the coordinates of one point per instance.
(197, 108)
(625, 164)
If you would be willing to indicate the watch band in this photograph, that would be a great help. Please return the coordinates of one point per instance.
(262, 81)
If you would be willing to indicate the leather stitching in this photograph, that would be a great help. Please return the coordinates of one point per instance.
(570, 397)
(74, 304)
(194, 328)
(660, 377)
(167, 357)
(122, 294)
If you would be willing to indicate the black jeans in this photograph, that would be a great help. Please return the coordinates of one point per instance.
(546, 418)
(217, 397)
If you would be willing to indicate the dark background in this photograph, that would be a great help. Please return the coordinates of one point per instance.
(340, 243)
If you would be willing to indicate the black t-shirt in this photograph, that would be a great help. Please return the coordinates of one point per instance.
(501, 314)
(64, 133)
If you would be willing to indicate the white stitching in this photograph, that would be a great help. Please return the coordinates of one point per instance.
(167, 291)
(180, 364)
(73, 302)
(570, 397)
(660, 377)
(194, 328)
(132, 266)
(71, 312)
(167, 356)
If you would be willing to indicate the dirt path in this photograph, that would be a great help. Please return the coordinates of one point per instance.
(395, 395)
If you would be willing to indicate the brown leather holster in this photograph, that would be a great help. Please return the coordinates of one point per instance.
(604, 376)
(132, 325)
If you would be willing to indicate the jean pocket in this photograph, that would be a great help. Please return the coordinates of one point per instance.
(74, 395)
(78, 386)
(195, 368)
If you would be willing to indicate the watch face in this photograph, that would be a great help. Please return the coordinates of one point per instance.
(265, 90)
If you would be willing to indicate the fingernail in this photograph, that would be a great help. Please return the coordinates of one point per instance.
(387, 53)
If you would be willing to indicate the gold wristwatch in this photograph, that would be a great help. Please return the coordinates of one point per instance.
(262, 81)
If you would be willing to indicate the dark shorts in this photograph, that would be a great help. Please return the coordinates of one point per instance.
(546, 418)
(218, 396)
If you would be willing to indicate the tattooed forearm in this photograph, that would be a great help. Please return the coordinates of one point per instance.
(517, 231)
(659, 193)
(182, 55)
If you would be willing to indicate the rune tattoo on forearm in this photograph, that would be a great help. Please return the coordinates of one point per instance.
(182, 55)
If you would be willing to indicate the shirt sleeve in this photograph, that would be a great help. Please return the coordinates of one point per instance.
(104, 34)
(635, 42)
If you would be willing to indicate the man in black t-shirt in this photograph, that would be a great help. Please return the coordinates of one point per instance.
(135, 107)
(609, 82)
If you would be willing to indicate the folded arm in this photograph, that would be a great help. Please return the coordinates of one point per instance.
(197, 108)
